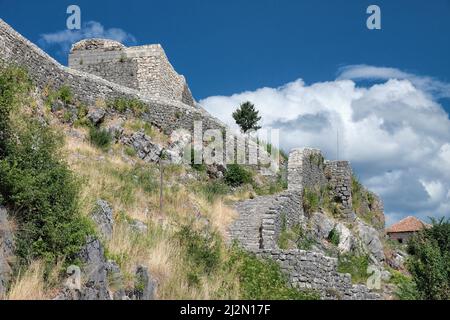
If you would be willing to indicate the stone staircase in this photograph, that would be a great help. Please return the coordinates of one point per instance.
(246, 229)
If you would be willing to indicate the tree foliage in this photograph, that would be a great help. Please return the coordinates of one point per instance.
(247, 117)
(430, 261)
(35, 182)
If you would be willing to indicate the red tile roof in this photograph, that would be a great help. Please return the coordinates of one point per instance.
(409, 224)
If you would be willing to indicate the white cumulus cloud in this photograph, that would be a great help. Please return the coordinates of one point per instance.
(92, 29)
(395, 133)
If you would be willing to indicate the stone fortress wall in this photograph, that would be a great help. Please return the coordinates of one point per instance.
(144, 68)
(339, 175)
(262, 219)
(167, 114)
(167, 111)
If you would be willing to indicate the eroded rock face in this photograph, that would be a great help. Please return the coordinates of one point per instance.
(146, 285)
(371, 240)
(179, 141)
(138, 226)
(322, 225)
(346, 240)
(6, 251)
(94, 275)
(95, 271)
(96, 115)
(144, 147)
(103, 217)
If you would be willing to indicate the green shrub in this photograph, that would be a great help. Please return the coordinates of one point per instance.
(272, 187)
(200, 167)
(237, 175)
(82, 111)
(15, 86)
(123, 104)
(429, 263)
(65, 94)
(406, 288)
(293, 238)
(37, 184)
(100, 138)
(334, 237)
(311, 200)
(202, 252)
(130, 151)
(356, 265)
(213, 190)
(263, 279)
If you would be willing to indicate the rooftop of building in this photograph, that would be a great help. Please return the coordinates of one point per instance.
(409, 224)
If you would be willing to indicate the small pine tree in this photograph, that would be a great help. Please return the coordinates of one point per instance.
(247, 117)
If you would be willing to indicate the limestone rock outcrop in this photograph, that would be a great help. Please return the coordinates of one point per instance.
(6, 251)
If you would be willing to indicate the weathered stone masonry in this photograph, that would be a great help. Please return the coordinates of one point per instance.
(144, 68)
(166, 109)
(339, 175)
(261, 220)
(167, 114)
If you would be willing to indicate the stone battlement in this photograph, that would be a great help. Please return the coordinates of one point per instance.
(144, 68)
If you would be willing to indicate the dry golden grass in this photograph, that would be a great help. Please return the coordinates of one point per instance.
(29, 285)
(158, 250)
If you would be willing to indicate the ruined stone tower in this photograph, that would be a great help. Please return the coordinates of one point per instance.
(144, 68)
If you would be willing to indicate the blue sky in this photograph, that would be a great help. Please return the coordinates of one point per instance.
(227, 46)
(312, 68)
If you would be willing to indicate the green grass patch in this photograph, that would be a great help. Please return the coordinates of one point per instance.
(125, 104)
(236, 175)
(263, 279)
(355, 265)
(101, 138)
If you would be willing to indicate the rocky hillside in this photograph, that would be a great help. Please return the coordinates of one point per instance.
(95, 202)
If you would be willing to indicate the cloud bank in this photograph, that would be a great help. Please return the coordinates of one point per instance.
(65, 38)
(395, 133)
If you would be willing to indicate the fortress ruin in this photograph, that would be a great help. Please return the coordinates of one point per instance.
(144, 68)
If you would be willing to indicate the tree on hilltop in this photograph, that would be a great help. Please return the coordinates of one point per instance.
(247, 117)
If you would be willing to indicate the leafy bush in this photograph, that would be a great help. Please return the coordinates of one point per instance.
(406, 288)
(311, 200)
(130, 151)
(316, 198)
(14, 88)
(65, 94)
(334, 237)
(295, 237)
(430, 261)
(123, 104)
(36, 183)
(272, 187)
(202, 251)
(263, 279)
(100, 138)
(237, 175)
(213, 190)
(200, 167)
(356, 265)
